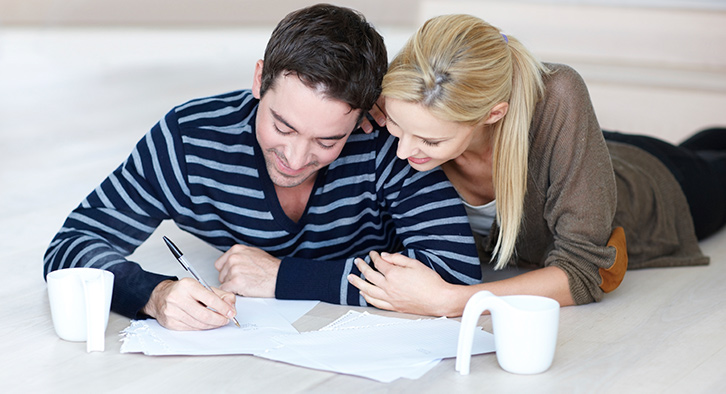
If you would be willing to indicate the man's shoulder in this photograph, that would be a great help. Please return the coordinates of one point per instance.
(227, 108)
(378, 146)
(215, 124)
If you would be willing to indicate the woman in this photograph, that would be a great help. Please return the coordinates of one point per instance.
(545, 193)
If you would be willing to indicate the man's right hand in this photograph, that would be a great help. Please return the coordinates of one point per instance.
(184, 305)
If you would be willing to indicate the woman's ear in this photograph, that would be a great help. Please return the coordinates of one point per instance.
(497, 113)
(257, 79)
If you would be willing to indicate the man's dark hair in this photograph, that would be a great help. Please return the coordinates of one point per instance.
(330, 48)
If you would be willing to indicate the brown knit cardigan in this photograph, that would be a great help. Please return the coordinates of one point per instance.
(580, 189)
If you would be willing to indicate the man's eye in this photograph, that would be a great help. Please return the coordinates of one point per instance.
(281, 132)
(325, 146)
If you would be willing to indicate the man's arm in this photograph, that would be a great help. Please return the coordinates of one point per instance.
(430, 218)
(417, 214)
(116, 218)
(432, 226)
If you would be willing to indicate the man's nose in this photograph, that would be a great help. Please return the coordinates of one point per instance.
(298, 153)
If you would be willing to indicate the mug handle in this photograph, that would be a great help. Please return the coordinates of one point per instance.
(93, 289)
(476, 305)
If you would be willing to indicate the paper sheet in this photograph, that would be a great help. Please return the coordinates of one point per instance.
(376, 347)
(363, 344)
(260, 319)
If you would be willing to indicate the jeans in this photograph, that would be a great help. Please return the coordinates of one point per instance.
(699, 166)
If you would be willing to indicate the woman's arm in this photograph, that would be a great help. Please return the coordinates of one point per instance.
(405, 285)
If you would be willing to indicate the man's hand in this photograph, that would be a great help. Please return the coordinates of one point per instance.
(248, 271)
(184, 305)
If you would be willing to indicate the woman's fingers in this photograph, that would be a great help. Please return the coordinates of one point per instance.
(385, 262)
(374, 283)
(398, 259)
(369, 273)
(378, 303)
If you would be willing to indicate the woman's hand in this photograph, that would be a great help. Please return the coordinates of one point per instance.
(403, 284)
(377, 113)
(406, 285)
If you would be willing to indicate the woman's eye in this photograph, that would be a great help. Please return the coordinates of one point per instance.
(430, 143)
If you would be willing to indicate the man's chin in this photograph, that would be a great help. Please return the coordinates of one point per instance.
(289, 182)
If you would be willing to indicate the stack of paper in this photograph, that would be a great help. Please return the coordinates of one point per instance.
(260, 320)
(376, 347)
(362, 344)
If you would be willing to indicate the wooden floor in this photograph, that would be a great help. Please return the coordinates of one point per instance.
(72, 105)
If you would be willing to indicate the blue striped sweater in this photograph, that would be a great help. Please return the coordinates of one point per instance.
(201, 167)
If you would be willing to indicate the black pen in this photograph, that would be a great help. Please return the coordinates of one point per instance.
(180, 258)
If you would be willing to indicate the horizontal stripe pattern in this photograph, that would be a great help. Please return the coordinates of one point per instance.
(201, 167)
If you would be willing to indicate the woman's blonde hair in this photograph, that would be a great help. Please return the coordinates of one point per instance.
(459, 67)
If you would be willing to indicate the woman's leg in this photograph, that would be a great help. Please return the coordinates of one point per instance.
(710, 144)
(713, 139)
(701, 173)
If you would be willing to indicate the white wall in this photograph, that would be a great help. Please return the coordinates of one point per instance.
(652, 66)
(187, 12)
(653, 70)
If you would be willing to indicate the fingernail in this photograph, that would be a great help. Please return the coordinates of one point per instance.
(230, 314)
(385, 254)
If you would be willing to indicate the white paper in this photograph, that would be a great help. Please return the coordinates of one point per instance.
(376, 347)
(362, 344)
(291, 310)
(260, 319)
(358, 320)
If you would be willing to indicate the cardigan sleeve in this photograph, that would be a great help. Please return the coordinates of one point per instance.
(573, 183)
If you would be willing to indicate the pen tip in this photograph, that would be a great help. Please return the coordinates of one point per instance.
(174, 250)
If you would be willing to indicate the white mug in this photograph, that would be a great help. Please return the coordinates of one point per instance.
(80, 300)
(525, 331)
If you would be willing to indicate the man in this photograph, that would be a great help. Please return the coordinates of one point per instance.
(280, 178)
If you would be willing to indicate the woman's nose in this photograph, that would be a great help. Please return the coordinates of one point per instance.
(405, 148)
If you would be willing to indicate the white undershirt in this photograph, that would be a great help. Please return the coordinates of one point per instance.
(481, 217)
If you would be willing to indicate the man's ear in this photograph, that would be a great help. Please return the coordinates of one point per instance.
(257, 79)
(497, 113)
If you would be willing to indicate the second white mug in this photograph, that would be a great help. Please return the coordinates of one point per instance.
(525, 331)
